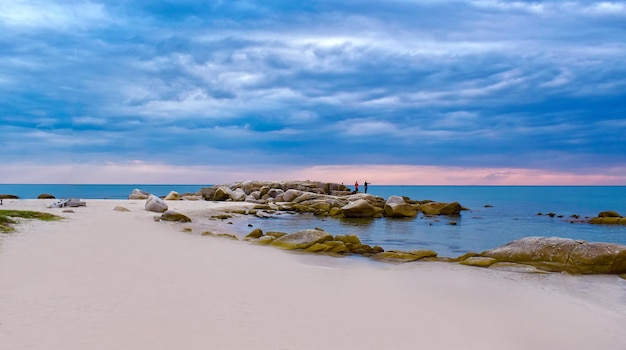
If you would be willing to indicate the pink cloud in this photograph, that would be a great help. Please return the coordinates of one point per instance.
(146, 173)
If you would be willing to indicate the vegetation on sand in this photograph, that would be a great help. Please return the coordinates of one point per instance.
(7, 218)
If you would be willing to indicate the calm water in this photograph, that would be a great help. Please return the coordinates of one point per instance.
(513, 214)
(93, 191)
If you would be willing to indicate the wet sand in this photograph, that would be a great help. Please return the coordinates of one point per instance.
(103, 279)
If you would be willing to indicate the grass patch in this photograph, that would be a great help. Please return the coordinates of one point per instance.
(6, 221)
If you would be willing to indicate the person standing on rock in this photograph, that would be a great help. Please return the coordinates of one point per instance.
(356, 186)
(365, 186)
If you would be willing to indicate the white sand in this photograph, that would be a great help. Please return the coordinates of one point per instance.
(104, 279)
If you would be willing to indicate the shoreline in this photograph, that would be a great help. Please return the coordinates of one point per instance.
(103, 279)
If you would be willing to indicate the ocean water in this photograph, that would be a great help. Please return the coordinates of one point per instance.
(93, 191)
(496, 215)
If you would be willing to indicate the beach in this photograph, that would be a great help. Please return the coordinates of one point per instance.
(106, 279)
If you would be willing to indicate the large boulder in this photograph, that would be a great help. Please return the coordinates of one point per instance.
(397, 207)
(138, 194)
(563, 255)
(238, 195)
(302, 239)
(155, 204)
(222, 193)
(289, 195)
(358, 209)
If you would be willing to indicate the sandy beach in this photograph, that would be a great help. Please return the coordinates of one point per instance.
(105, 279)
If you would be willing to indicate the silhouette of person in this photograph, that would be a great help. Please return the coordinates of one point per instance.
(365, 186)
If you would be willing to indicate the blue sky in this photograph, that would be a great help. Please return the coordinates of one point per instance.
(413, 92)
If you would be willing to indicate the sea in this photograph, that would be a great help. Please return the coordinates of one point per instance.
(495, 215)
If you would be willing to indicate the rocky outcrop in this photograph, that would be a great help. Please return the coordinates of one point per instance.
(313, 241)
(155, 204)
(267, 190)
(46, 196)
(324, 199)
(556, 254)
(609, 217)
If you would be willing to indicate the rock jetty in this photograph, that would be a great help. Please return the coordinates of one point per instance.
(531, 254)
(325, 199)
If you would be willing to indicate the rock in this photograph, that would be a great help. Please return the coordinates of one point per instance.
(608, 220)
(335, 211)
(439, 208)
(401, 256)
(609, 214)
(360, 208)
(563, 255)
(190, 197)
(46, 196)
(424, 253)
(255, 234)
(120, 208)
(155, 204)
(479, 261)
(73, 203)
(208, 193)
(546, 253)
(302, 239)
(290, 195)
(351, 239)
(138, 194)
(8, 196)
(221, 235)
(397, 207)
(276, 234)
(274, 192)
(265, 240)
(238, 195)
(172, 196)
(222, 193)
(170, 215)
(594, 258)
(337, 247)
(513, 267)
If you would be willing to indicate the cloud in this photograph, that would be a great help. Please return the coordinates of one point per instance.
(477, 84)
(48, 15)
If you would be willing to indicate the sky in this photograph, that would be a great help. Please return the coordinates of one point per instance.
(431, 92)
